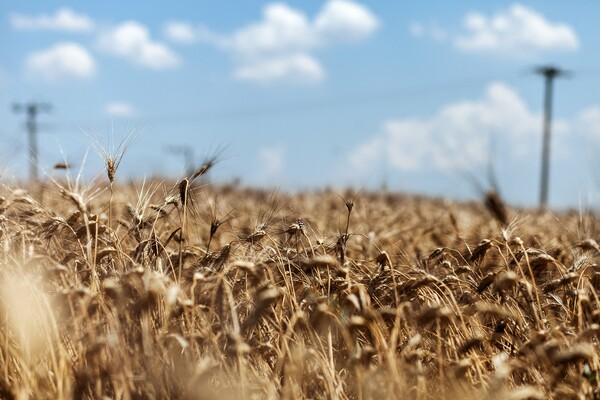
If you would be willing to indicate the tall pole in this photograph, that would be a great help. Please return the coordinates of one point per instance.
(188, 156)
(549, 73)
(32, 110)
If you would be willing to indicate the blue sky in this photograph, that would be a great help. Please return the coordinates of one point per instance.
(417, 95)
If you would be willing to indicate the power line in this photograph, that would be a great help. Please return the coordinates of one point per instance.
(317, 104)
(32, 109)
(549, 72)
(314, 104)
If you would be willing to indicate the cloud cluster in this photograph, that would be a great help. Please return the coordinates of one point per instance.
(456, 137)
(518, 31)
(280, 47)
(69, 61)
(64, 19)
(131, 41)
(60, 62)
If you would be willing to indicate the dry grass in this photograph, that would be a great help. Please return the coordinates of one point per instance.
(202, 292)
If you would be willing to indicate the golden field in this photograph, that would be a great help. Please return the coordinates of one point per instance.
(184, 290)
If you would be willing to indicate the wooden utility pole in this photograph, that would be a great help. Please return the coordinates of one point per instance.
(32, 109)
(188, 156)
(549, 72)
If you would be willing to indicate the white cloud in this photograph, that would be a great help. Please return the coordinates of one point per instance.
(518, 31)
(61, 62)
(283, 29)
(185, 33)
(456, 137)
(272, 161)
(342, 20)
(180, 32)
(131, 40)
(280, 47)
(119, 109)
(299, 68)
(64, 19)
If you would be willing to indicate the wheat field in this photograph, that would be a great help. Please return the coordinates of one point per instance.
(188, 290)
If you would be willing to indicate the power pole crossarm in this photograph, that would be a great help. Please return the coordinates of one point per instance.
(32, 110)
(188, 156)
(549, 73)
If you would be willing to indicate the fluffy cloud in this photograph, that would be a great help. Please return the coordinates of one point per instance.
(131, 41)
(64, 19)
(456, 137)
(186, 34)
(341, 20)
(180, 32)
(119, 109)
(61, 62)
(518, 31)
(299, 68)
(280, 46)
(282, 29)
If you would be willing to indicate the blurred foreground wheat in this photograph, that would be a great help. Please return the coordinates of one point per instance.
(183, 291)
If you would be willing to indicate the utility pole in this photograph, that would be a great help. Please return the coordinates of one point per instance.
(32, 109)
(549, 72)
(188, 156)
